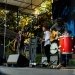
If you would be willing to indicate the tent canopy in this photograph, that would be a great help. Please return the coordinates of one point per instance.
(27, 6)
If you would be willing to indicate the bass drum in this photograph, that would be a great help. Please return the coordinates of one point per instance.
(54, 48)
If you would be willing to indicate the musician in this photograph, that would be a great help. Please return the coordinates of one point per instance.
(17, 40)
(66, 33)
(46, 42)
(22, 43)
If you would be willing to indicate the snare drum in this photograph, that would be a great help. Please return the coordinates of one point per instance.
(53, 48)
(66, 44)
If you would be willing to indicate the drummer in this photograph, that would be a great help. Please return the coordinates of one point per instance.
(66, 33)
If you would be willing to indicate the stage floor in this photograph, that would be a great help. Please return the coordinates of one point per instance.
(34, 71)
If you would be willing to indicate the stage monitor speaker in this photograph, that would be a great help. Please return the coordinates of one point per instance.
(17, 60)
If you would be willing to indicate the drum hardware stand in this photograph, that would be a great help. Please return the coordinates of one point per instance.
(66, 59)
(5, 25)
(59, 55)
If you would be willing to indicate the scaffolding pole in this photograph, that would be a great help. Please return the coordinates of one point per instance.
(5, 30)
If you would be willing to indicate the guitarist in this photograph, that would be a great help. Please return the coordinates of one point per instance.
(46, 41)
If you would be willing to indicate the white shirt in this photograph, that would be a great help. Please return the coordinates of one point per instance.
(46, 38)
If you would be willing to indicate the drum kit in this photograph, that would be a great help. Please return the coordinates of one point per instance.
(65, 46)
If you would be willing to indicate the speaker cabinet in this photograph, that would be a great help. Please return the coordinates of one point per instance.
(17, 60)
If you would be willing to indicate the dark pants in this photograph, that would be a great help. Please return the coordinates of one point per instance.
(47, 52)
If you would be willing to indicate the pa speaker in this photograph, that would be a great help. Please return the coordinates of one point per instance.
(17, 60)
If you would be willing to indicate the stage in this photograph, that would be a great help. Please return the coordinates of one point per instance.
(34, 71)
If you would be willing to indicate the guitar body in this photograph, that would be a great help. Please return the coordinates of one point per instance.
(53, 35)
